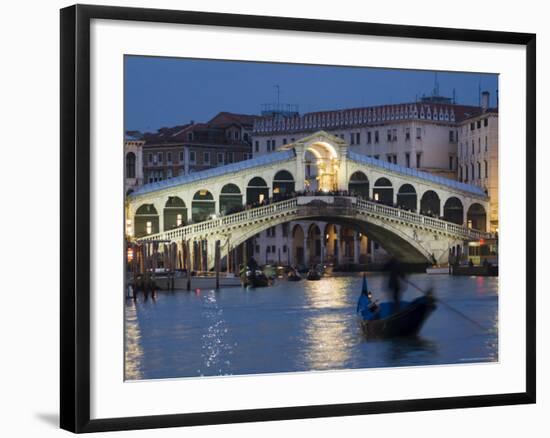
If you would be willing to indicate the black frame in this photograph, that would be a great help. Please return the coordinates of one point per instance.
(75, 217)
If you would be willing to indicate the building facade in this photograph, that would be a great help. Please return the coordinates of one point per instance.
(428, 135)
(184, 149)
(133, 161)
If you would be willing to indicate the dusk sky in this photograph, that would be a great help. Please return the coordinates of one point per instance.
(173, 91)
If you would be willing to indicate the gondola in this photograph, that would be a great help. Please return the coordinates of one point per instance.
(293, 275)
(313, 275)
(381, 321)
(254, 279)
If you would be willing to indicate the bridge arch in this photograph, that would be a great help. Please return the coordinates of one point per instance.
(146, 220)
(359, 185)
(383, 191)
(283, 184)
(174, 213)
(430, 204)
(323, 155)
(314, 244)
(477, 217)
(230, 198)
(453, 210)
(407, 197)
(203, 206)
(257, 190)
(298, 240)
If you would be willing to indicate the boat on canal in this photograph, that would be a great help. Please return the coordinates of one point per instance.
(314, 274)
(293, 275)
(382, 320)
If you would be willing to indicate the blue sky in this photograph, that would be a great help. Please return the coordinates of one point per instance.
(170, 91)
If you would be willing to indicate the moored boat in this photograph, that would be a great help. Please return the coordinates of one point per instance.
(254, 279)
(313, 275)
(293, 275)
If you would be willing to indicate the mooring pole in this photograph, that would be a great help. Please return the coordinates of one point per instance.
(189, 263)
(217, 254)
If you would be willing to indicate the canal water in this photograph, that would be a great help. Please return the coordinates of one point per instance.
(302, 326)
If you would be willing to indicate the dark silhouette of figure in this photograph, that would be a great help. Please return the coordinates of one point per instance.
(395, 276)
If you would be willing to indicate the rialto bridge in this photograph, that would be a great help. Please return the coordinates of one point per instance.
(416, 216)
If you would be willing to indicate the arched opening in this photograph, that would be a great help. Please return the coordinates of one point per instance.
(321, 171)
(146, 220)
(283, 184)
(453, 211)
(257, 191)
(477, 217)
(314, 244)
(331, 243)
(359, 185)
(430, 204)
(231, 199)
(298, 245)
(406, 197)
(130, 165)
(347, 245)
(203, 206)
(175, 213)
(383, 191)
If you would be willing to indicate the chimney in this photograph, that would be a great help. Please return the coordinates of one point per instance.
(485, 100)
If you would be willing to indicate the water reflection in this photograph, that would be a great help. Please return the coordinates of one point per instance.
(133, 352)
(326, 327)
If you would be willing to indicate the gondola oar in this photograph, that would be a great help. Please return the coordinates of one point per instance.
(458, 312)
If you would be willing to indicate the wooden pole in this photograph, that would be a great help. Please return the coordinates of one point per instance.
(217, 254)
(189, 264)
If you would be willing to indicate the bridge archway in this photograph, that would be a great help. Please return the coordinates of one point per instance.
(359, 185)
(477, 217)
(321, 160)
(230, 198)
(407, 197)
(283, 184)
(175, 213)
(430, 205)
(257, 191)
(298, 244)
(453, 211)
(146, 220)
(203, 206)
(314, 244)
(383, 191)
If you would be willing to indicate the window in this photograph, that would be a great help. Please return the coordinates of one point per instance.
(220, 158)
(358, 138)
(485, 142)
(352, 138)
(192, 157)
(479, 144)
(418, 160)
(169, 157)
(451, 136)
(418, 133)
(206, 157)
(460, 173)
(486, 169)
(376, 138)
(394, 135)
(236, 135)
(450, 163)
(245, 136)
(190, 136)
(472, 126)
(256, 146)
(247, 156)
(182, 156)
(473, 172)
(130, 165)
(408, 159)
(160, 157)
(150, 158)
(273, 249)
(284, 140)
(407, 134)
(472, 147)
(292, 140)
(369, 137)
(257, 249)
(284, 248)
(466, 172)
(389, 134)
(478, 124)
(478, 169)
(485, 122)
(230, 157)
(285, 227)
(395, 159)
